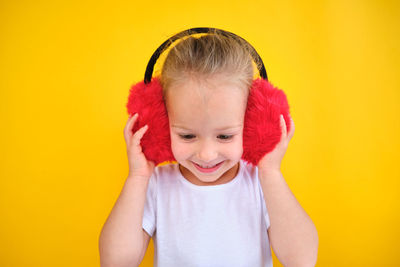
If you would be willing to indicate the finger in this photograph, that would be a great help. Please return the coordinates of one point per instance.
(291, 132)
(129, 124)
(283, 127)
(133, 118)
(137, 138)
(138, 135)
(129, 121)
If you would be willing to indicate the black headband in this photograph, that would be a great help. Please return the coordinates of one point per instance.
(150, 66)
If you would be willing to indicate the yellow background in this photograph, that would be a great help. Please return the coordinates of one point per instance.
(66, 68)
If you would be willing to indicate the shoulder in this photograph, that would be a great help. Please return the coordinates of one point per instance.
(166, 168)
(249, 170)
(249, 177)
(164, 173)
(161, 179)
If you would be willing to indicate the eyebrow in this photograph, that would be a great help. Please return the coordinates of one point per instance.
(219, 129)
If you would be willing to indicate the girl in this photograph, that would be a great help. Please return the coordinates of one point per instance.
(210, 208)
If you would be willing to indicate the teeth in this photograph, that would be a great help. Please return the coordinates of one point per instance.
(208, 167)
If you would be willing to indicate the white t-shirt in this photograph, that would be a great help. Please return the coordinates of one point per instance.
(207, 226)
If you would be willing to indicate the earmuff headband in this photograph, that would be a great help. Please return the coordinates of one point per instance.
(150, 66)
(261, 131)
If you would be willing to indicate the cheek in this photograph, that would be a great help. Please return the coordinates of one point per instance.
(236, 148)
(233, 150)
(239, 148)
(179, 149)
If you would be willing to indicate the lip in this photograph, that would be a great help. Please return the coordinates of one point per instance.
(208, 170)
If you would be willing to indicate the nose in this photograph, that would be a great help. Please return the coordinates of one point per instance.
(207, 151)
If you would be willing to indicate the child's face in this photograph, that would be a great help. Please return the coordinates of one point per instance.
(198, 112)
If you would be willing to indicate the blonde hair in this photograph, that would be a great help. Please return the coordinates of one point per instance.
(204, 57)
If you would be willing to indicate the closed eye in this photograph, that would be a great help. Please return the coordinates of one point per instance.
(225, 137)
(191, 136)
(187, 136)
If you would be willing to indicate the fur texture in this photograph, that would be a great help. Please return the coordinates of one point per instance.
(261, 131)
(147, 100)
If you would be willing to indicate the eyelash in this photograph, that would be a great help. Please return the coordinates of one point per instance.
(185, 136)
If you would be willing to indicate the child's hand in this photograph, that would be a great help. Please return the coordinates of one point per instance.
(272, 160)
(139, 166)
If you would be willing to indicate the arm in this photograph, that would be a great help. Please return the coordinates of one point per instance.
(121, 241)
(292, 233)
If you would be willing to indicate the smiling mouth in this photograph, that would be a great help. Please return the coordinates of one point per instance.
(208, 169)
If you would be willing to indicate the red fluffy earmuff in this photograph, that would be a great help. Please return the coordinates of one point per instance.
(261, 132)
(147, 101)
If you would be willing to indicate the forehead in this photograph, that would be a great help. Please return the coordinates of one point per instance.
(206, 105)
